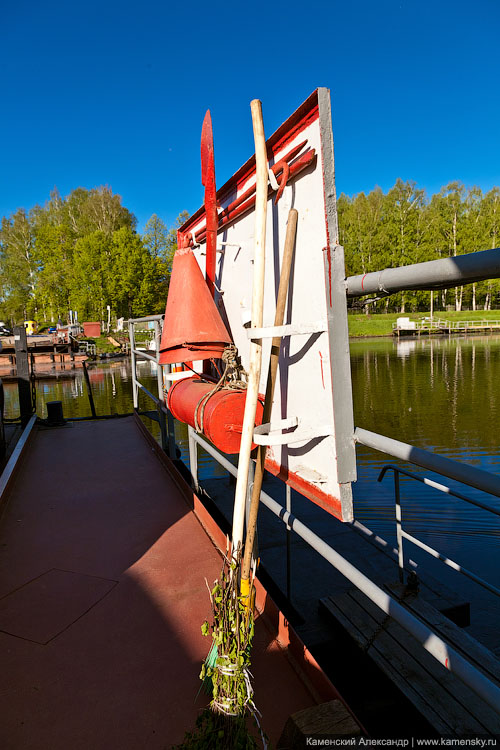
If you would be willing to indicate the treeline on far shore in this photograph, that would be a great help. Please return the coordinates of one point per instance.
(403, 226)
(83, 252)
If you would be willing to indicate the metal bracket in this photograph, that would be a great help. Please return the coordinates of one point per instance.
(290, 329)
(270, 433)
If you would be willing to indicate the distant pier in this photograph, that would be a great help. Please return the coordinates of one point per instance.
(430, 326)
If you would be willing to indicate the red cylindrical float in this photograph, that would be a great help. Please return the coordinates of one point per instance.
(222, 415)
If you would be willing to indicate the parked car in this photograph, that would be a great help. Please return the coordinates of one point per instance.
(5, 330)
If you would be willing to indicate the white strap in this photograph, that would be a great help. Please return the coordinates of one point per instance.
(290, 329)
(178, 375)
(269, 433)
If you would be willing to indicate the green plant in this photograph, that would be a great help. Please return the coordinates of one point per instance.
(225, 673)
(232, 634)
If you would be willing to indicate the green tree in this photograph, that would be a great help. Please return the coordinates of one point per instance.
(448, 226)
(18, 267)
(156, 237)
(91, 271)
(134, 281)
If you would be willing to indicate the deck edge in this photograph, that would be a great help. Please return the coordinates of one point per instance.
(12, 466)
(303, 662)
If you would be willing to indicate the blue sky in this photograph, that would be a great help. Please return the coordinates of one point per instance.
(115, 93)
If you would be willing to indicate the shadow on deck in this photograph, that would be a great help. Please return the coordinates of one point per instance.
(102, 594)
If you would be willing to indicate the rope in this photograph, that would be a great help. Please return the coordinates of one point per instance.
(231, 380)
(232, 669)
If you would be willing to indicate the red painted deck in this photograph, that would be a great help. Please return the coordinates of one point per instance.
(102, 586)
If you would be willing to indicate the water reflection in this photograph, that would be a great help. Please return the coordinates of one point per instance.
(441, 394)
(111, 389)
(436, 393)
(405, 347)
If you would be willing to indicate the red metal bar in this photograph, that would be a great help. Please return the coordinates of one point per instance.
(208, 180)
(240, 208)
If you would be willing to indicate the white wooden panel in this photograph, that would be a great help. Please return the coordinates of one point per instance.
(304, 385)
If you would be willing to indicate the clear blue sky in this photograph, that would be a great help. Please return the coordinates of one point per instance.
(115, 92)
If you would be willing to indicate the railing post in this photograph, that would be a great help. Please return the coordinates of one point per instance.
(131, 335)
(193, 457)
(288, 545)
(159, 381)
(170, 420)
(23, 374)
(399, 535)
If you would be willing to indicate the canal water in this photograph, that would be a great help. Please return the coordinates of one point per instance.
(440, 394)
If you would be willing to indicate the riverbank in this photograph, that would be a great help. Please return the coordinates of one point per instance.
(381, 324)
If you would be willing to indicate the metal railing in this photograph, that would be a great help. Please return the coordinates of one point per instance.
(165, 418)
(402, 534)
(430, 641)
(87, 347)
(439, 324)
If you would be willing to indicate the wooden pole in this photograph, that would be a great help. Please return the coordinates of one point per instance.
(257, 308)
(89, 388)
(291, 231)
(23, 374)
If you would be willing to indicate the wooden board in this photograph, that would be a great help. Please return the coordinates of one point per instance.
(484, 659)
(442, 699)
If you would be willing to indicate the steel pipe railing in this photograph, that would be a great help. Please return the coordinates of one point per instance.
(402, 534)
(147, 319)
(437, 486)
(432, 643)
(167, 430)
(433, 274)
(145, 355)
(478, 478)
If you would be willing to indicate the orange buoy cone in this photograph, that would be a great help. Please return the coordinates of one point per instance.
(193, 328)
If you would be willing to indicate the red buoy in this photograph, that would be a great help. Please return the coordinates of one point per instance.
(222, 417)
(193, 328)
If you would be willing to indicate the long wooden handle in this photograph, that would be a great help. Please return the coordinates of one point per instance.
(271, 382)
(257, 307)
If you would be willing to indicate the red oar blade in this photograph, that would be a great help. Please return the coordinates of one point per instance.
(207, 146)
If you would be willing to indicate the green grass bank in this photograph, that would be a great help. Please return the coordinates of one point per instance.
(381, 324)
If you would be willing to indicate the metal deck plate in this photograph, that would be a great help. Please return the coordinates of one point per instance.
(46, 606)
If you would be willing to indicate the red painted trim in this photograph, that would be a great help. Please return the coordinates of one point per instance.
(321, 365)
(307, 113)
(328, 502)
(287, 639)
(295, 168)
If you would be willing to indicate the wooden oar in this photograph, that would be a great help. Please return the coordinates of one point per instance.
(257, 307)
(291, 231)
(208, 180)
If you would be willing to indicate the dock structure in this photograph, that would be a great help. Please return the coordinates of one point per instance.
(102, 595)
(429, 326)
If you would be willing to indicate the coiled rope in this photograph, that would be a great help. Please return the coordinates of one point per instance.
(232, 379)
